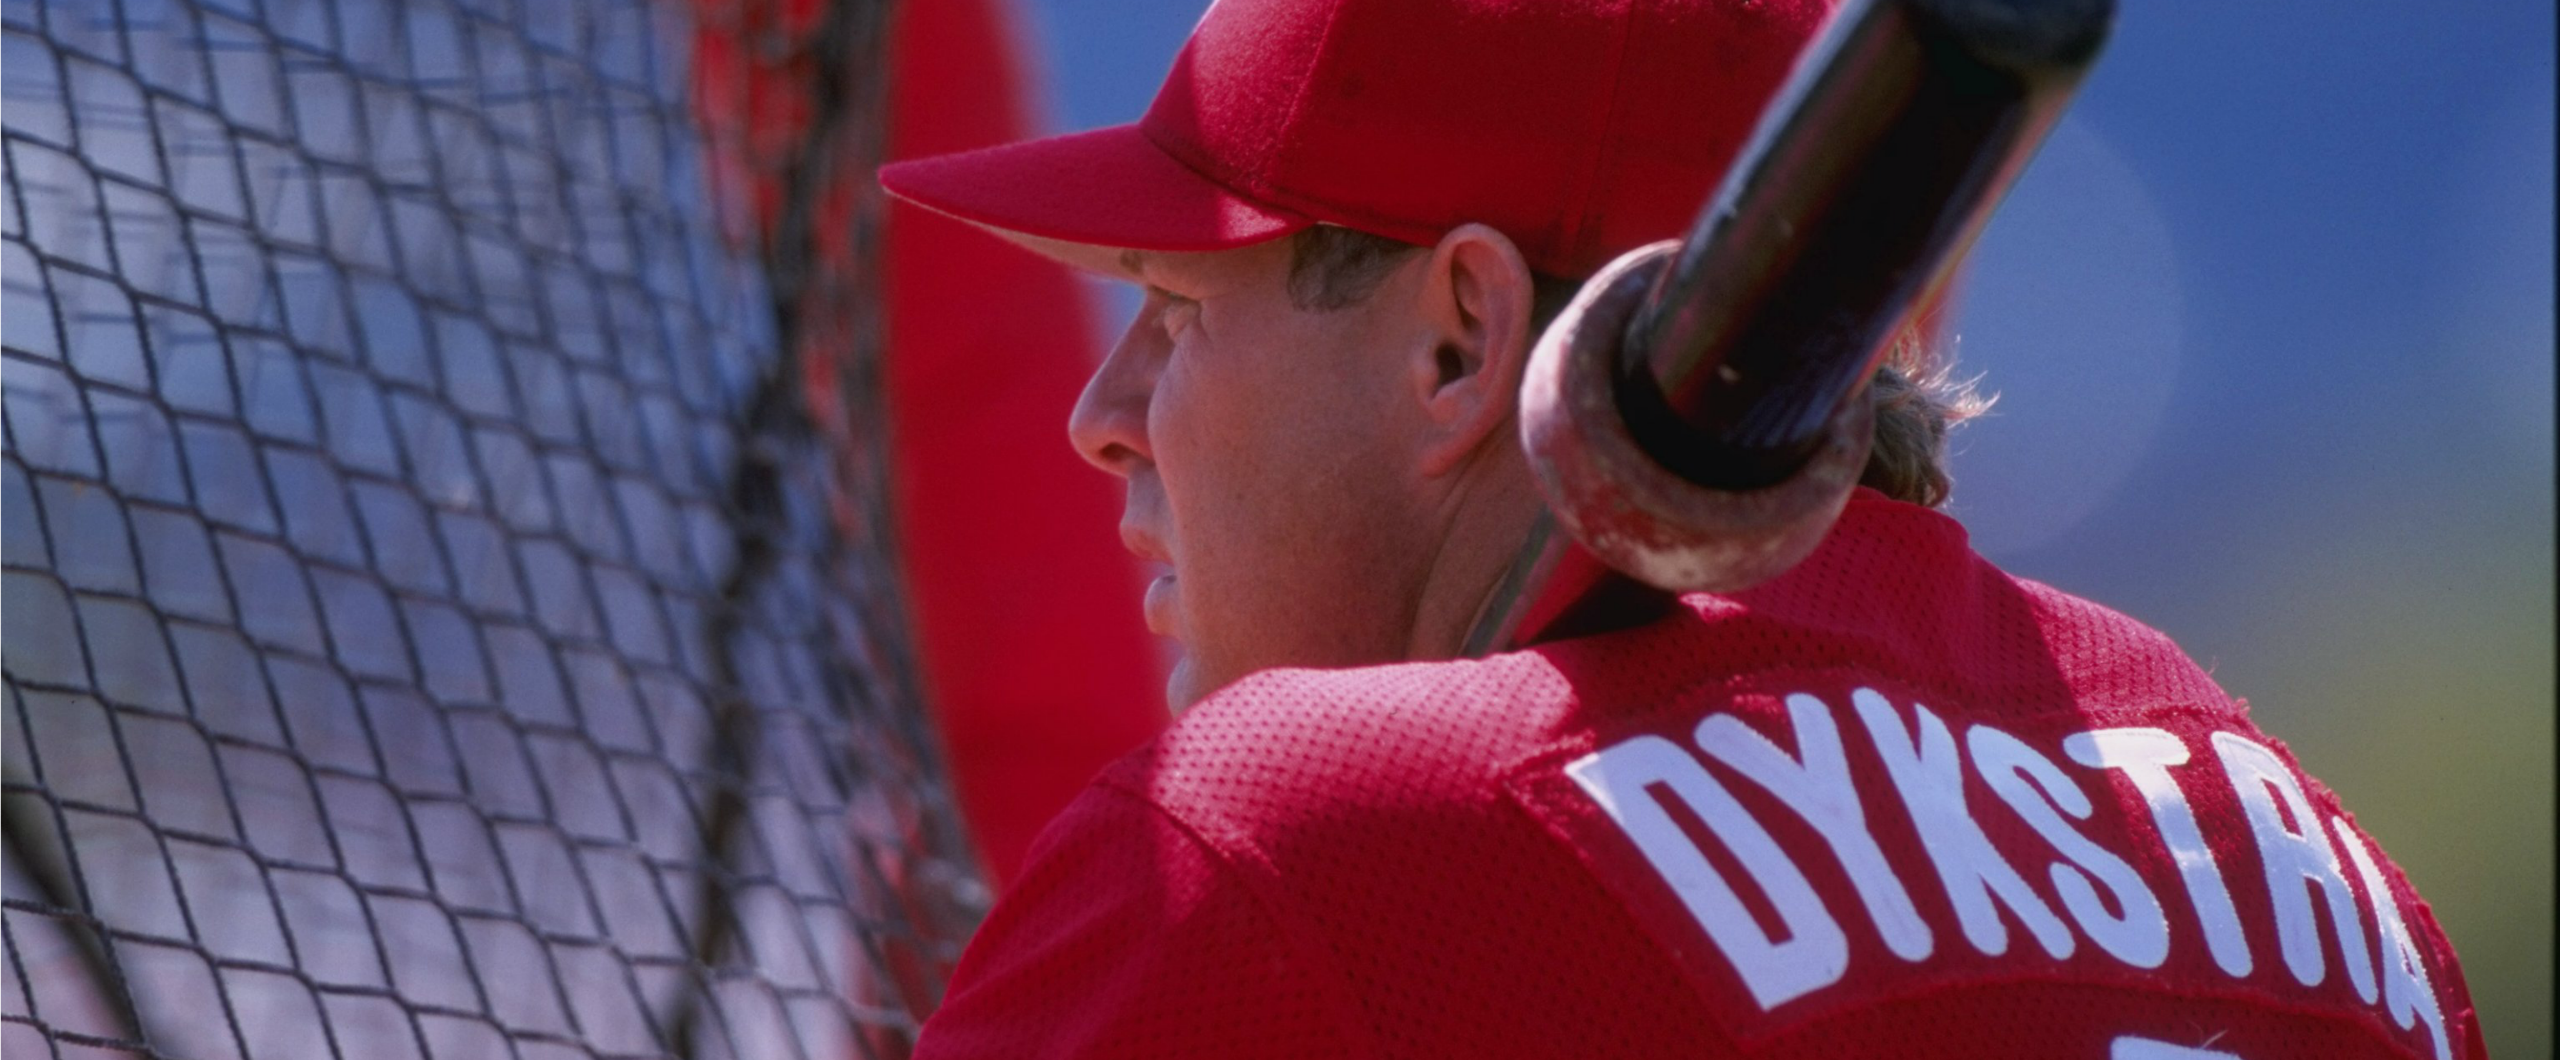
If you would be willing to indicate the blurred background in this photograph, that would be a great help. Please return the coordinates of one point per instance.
(2270, 322)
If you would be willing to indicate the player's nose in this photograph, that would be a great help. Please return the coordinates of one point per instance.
(1109, 424)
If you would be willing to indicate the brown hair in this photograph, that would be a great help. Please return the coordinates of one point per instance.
(1918, 398)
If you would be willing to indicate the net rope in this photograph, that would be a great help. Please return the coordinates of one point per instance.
(446, 607)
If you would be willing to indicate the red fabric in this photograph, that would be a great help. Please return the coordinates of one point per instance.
(1048, 188)
(1037, 662)
(1399, 861)
(1407, 119)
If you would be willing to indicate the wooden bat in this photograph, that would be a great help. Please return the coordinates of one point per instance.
(1710, 447)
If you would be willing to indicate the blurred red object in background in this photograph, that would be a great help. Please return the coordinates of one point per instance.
(1037, 664)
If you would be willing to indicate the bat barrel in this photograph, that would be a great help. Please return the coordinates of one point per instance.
(1713, 445)
(1878, 164)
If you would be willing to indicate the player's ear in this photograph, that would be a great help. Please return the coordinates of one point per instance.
(1475, 306)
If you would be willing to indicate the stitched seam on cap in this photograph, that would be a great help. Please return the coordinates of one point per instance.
(1298, 207)
(1260, 200)
(1298, 102)
(1581, 235)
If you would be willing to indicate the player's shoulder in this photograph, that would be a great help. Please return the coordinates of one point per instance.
(1305, 748)
(1894, 598)
(2114, 657)
(1897, 588)
(1371, 811)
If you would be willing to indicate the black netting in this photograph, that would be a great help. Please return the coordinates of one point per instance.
(440, 620)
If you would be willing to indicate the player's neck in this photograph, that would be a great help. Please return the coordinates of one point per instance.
(1485, 517)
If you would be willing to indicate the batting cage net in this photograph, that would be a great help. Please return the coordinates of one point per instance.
(447, 607)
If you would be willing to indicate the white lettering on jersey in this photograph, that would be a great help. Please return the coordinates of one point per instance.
(2405, 989)
(1928, 771)
(1638, 781)
(2145, 755)
(1815, 953)
(1818, 788)
(2296, 856)
(2032, 785)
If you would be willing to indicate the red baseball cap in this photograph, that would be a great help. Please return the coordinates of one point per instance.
(1579, 128)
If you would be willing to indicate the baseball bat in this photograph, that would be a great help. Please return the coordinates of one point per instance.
(1714, 446)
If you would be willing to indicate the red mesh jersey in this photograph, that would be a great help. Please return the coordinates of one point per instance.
(1896, 803)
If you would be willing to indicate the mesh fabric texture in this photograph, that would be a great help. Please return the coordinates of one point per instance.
(1389, 861)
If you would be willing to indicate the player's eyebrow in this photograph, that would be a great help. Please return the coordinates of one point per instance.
(1134, 262)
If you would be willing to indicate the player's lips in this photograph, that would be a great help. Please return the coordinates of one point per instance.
(1159, 605)
(1142, 544)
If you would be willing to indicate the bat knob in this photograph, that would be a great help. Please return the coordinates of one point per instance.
(1621, 503)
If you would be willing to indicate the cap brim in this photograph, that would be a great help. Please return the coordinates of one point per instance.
(1071, 197)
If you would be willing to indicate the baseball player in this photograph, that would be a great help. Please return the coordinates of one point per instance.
(1893, 803)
